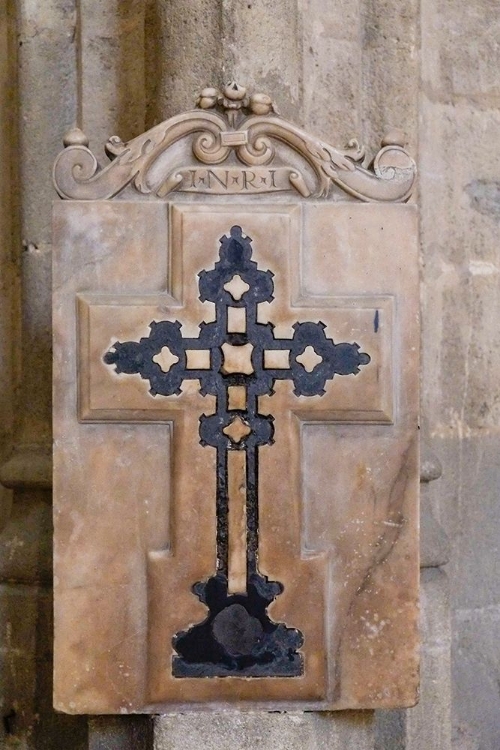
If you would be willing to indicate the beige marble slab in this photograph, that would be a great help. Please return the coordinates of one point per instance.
(135, 490)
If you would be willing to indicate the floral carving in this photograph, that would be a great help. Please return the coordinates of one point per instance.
(231, 126)
(234, 99)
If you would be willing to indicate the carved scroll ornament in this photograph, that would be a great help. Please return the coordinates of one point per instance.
(257, 147)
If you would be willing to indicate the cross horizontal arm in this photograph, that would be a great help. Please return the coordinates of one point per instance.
(335, 359)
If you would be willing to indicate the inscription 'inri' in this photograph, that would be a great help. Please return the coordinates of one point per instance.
(244, 179)
(241, 361)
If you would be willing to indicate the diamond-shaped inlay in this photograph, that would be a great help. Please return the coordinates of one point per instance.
(309, 359)
(165, 359)
(236, 287)
(237, 430)
(237, 359)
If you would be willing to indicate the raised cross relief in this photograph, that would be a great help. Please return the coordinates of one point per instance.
(235, 422)
(237, 637)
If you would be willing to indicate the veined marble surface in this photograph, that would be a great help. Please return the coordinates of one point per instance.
(135, 522)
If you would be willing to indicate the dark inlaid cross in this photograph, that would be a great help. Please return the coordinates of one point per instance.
(243, 361)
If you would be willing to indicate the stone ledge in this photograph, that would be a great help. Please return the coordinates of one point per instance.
(430, 465)
(29, 467)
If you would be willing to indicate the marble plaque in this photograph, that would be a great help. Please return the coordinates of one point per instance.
(235, 419)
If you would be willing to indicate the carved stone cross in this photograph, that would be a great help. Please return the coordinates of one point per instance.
(235, 417)
(237, 359)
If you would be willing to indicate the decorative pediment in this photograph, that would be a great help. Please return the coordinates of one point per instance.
(233, 143)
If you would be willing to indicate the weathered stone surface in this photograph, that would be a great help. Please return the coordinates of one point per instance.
(475, 633)
(9, 288)
(373, 594)
(26, 541)
(112, 70)
(390, 729)
(475, 620)
(390, 69)
(28, 466)
(183, 43)
(33, 51)
(460, 117)
(37, 345)
(427, 725)
(267, 731)
(29, 721)
(331, 97)
(120, 733)
(434, 542)
(47, 90)
(266, 55)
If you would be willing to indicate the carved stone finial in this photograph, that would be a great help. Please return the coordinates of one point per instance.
(233, 93)
(75, 137)
(233, 99)
(114, 146)
(261, 104)
(208, 98)
(394, 137)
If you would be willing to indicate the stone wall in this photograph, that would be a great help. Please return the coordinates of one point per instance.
(460, 200)
(341, 69)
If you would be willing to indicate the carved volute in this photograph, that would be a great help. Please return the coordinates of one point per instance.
(236, 144)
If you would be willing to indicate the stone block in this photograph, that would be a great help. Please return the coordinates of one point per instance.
(47, 89)
(29, 721)
(428, 724)
(120, 733)
(26, 540)
(267, 731)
